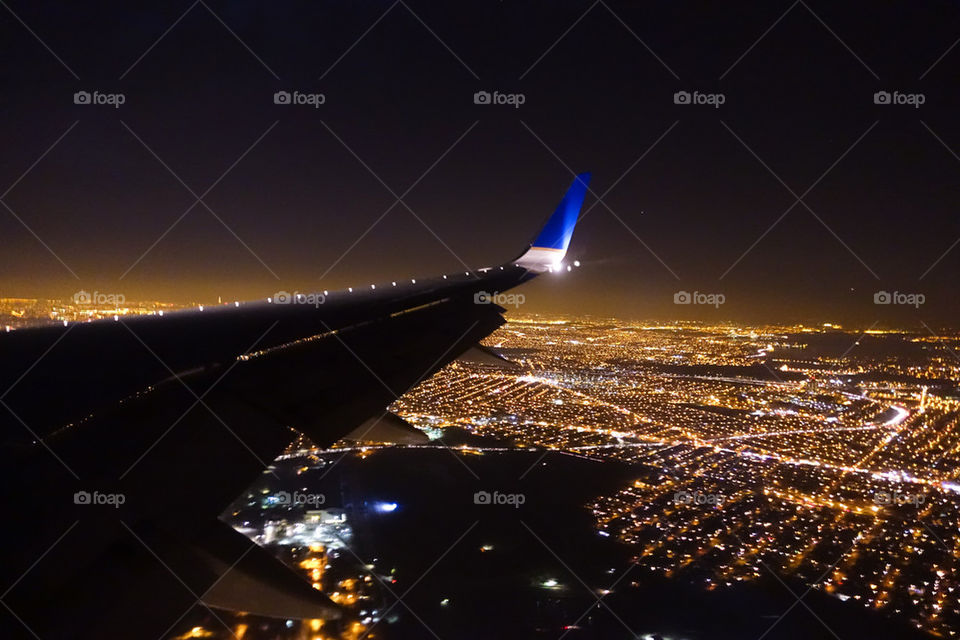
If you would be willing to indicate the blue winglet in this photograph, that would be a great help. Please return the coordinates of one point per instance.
(559, 228)
(547, 251)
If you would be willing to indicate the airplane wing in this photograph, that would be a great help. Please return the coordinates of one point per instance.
(175, 414)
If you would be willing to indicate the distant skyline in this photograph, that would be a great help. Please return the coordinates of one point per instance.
(799, 198)
(37, 315)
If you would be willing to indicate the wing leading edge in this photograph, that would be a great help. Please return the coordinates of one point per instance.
(181, 413)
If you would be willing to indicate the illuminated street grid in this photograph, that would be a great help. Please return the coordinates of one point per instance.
(753, 453)
(789, 466)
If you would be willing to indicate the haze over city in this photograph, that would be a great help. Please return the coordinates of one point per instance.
(694, 197)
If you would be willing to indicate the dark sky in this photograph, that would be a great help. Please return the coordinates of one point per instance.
(598, 80)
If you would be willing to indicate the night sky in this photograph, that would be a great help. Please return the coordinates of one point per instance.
(686, 189)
